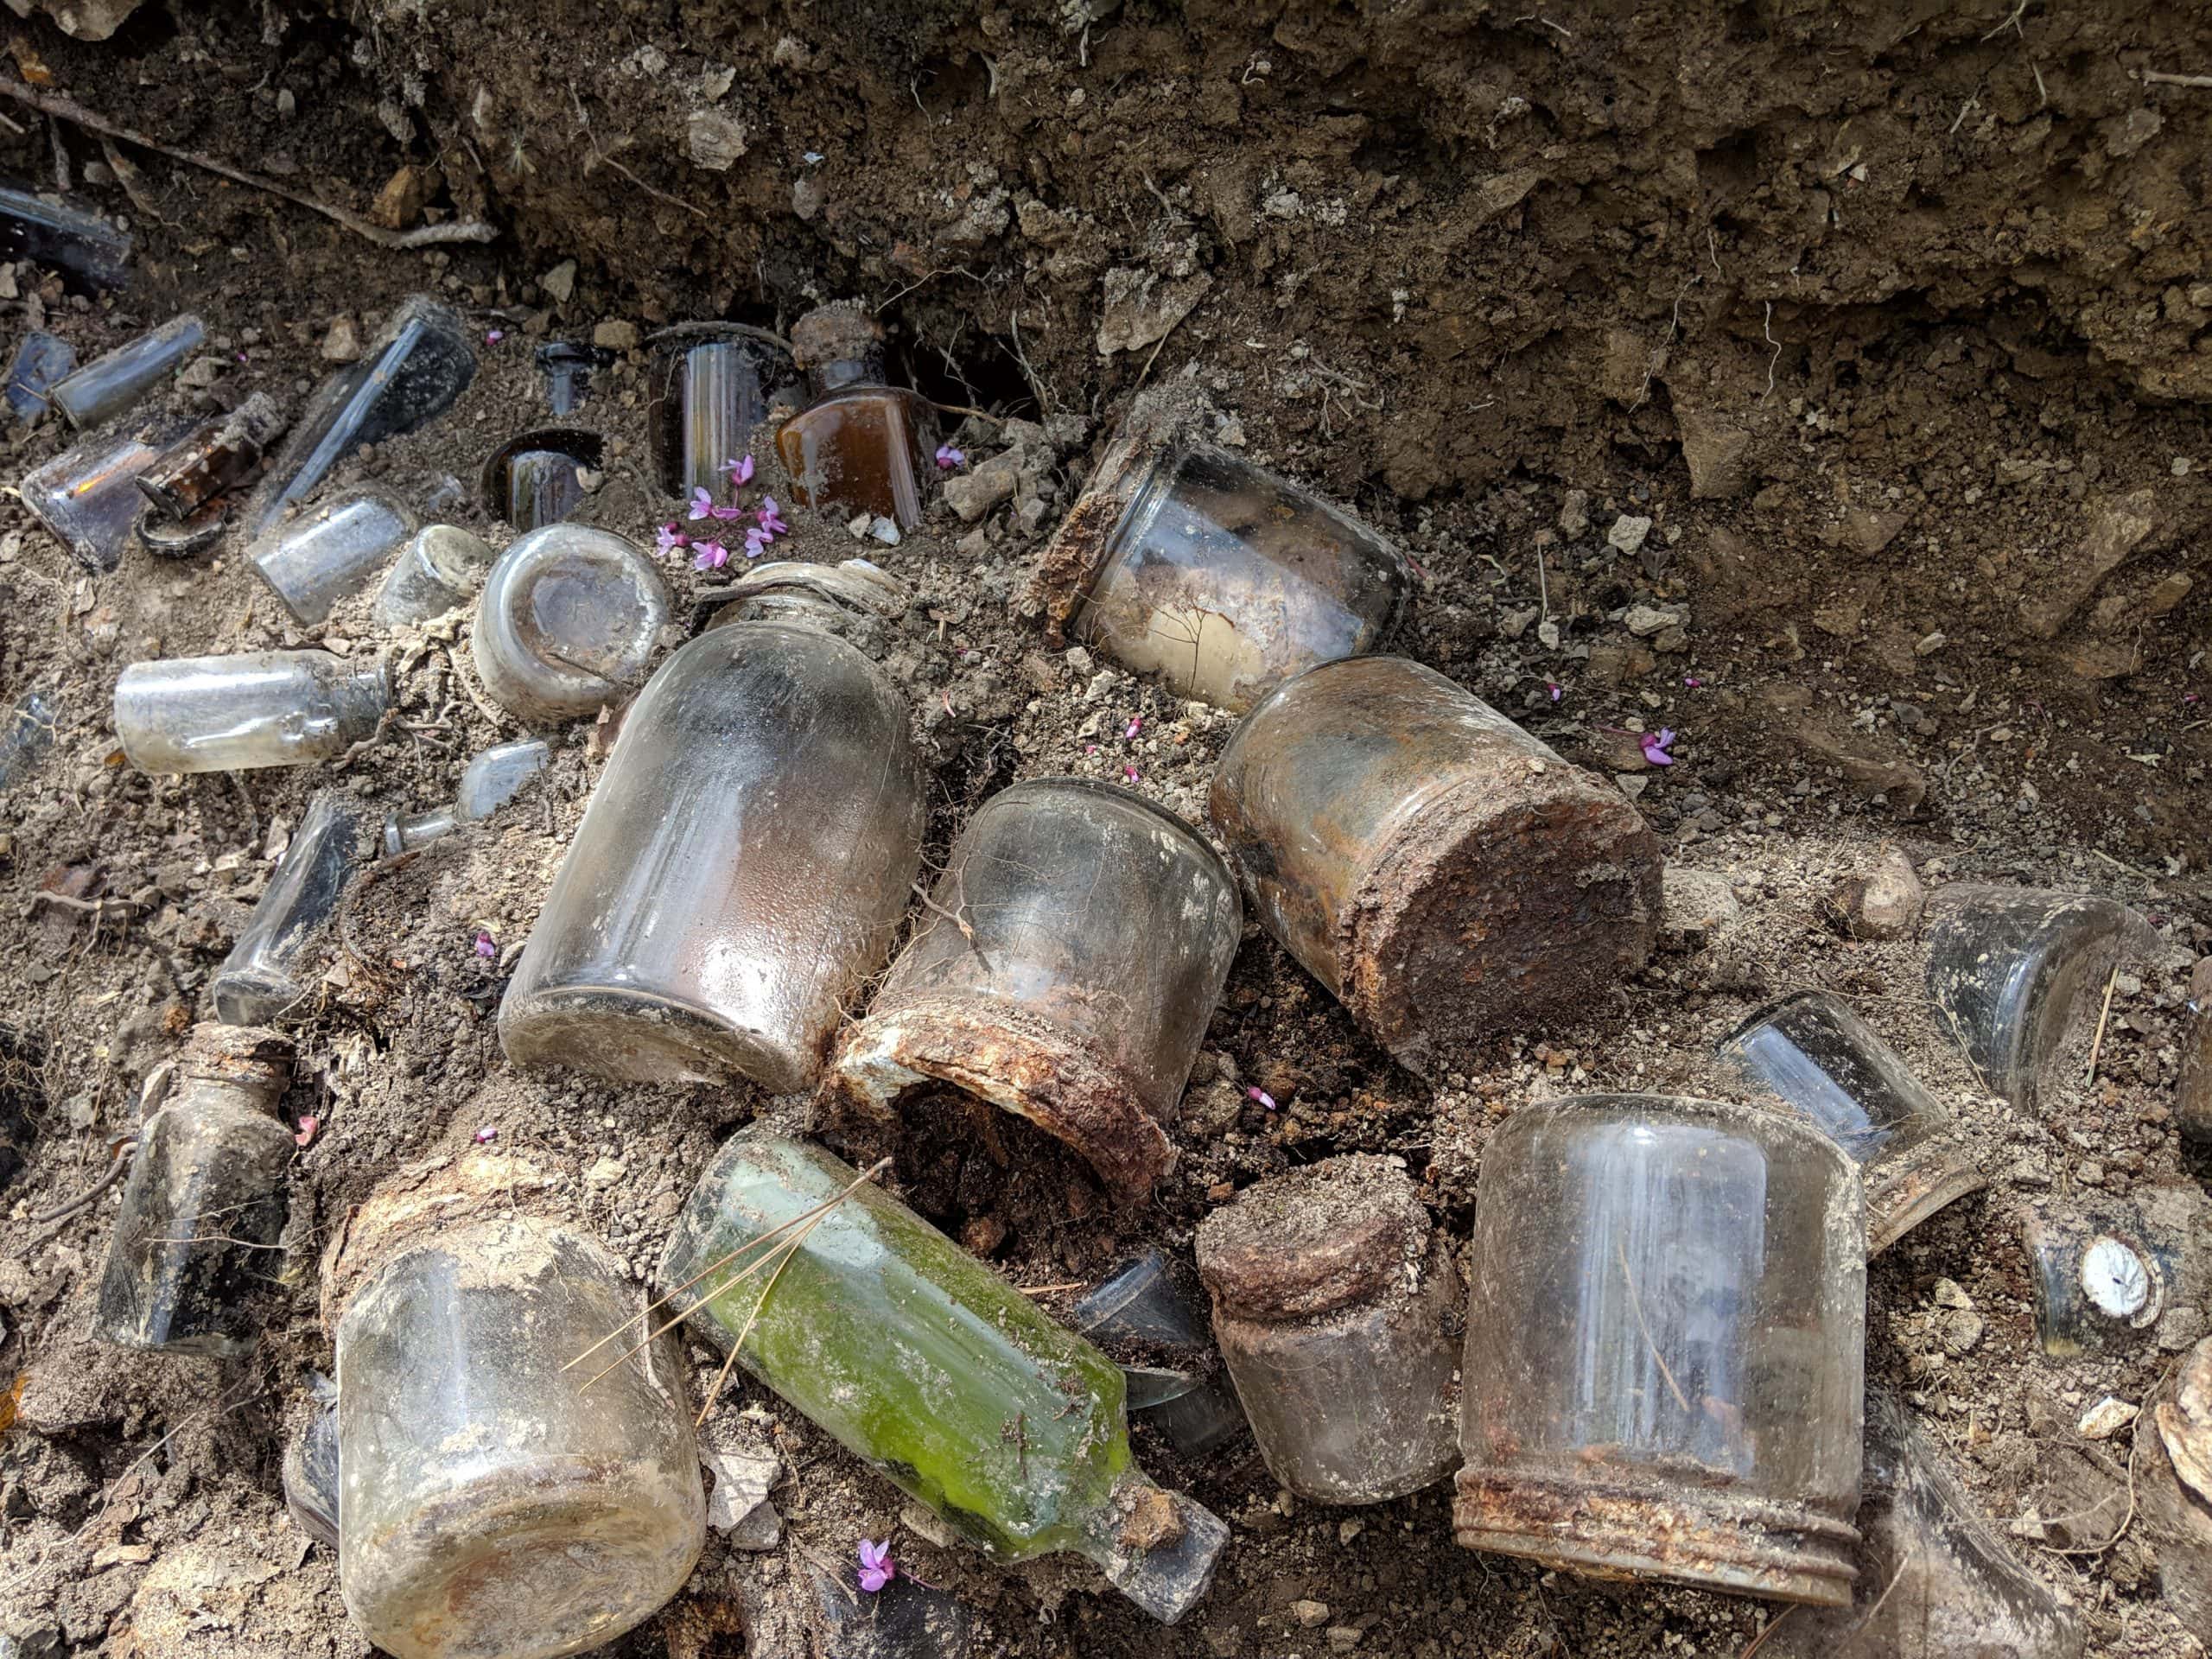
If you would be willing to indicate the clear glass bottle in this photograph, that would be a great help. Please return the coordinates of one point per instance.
(272, 969)
(1439, 869)
(531, 480)
(1072, 957)
(41, 362)
(2113, 1274)
(1338, 1309)
(710, 388)
(332, 550)
(1184, 561)
(926, 1365)
(204, 1201)
(567, 620)
(108, 386)
(567, 367)
(1821, 1059)
(2170, 1476)
(439, 570)
(213, 458)
(87, 495)
(488, 783)
(1666, 1337)
(852, 598)
(91, 254)
(1141, 1311)
(254, 709)
(2018, 977)
(489, 1508)
(739, 872)
(419, 363)
(859, 446)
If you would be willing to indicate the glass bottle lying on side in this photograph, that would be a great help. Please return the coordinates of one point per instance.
(108, 386)
(272, 969)
(710, 388)
(440, 570)
(2114, 1273)
(1071, 960)
(91, 254)
(1183, 560)
(1338, 1311)
(205, 1202)
(333, 550)
(852, 598)
(254, 709)
(533, 479)
(490, 1508)
(488, 783)
(567, 620)
(859, 446)
(216, 456)
(1666, 1338)
(41, 362)
(739, 872)
(1440, 870)
(87, 495)
(926, 1365)
(1821, 1059)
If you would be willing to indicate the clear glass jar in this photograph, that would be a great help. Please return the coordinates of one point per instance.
(1186, 562)
(254, 709)
(488, 783)
(1143, 1311)
(2112, 1274)
(488, 1508)
(213, 458)
(1071, 958)
(205, 1202)
(1337, 1310)
(107, 385)
(1439, 869)
(1666, 1339)
(929, 1367)
(91, 254)
(531, 480)
(87, 495)
(859, 446)
(439, 570)
(1821, 1059)
(272, 969)
(569, 618)
(2018, 977)
(741, 870)
(711, 383)
(332, 550)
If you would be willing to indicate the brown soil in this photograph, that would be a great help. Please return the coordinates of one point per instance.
(1889, 318)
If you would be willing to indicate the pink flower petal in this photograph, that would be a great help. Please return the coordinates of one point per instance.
(308, 1127)
(1263, 1096)
(701, 503)
(486, 1136)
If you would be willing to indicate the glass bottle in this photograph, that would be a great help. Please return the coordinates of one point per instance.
(2169, 1476)
(568, 619)
(1337, 1310)
(311, 1478)
(419, 363)
(1066, 969)
(271, 967)
(1440, 870)
(439, 570)
(740, 871)
(332, 550)
(1143, 1311)
(253, 708)
(2019, 977)
(530, 480)
(1666, 1338)
(108, 386)
(2193, 1103)
(488, 783)
(87, 495)
(26, 734)
(489, 1507)
(204, 1201)
(710, 389)
(2110, 1273)
(567, 365)
(859, 446)
(853, 599)
(1185, 561)
(214, 457)
(930, 1368)
(1822, 1059)
(42, 361)
(91, 254)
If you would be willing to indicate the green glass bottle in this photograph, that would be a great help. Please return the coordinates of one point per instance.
(919, 1359)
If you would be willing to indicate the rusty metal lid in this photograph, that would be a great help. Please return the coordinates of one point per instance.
(830, 333)
(1346, 1230)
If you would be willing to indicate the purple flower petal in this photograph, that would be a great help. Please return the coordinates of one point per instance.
(948, 458)
(668, 538)
(756, 542)
(740, 470)
(486, 1136)
(1555, 688)
(1263, 1096)
(877, 1568)
(484, 944)
(494, 336)
(1655, 748)
(711, 556)
(701, 503)
(1135, 725)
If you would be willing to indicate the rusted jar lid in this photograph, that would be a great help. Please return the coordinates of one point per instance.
(831, 333)
(1346, 1230)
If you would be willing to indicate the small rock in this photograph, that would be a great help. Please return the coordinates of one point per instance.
(1342, 1637)
(1949, 1293)
(1514, 624)
(714, 140)
(1885, 902)
(1310, 1615)
(1348, 1530)
(1695, 903)
(1575, 513)
(341, 343)
(973, 494)
(560, 281)
(2169, 592)
(615, 336)
(885, 531)
(1714, 450)
(1628, 532)
(1644, 620)
(1632, 784)
(401, 201)
(856, 526)
(742, 1483)
(807, 196)
(1959, 1330)
(2107, 1418)
(1928, 645)
(1871, 531)
(606, 1172)
(201, 373)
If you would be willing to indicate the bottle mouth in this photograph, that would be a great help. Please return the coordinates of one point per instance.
(1157, 1547)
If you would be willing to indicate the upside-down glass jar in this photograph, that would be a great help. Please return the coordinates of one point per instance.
(710, 387)
(567, 620)
(859, 446)
(440, 570)
(1666, 1340)
(535, 479)
(333, 550)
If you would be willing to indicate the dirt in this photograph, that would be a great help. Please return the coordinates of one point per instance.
(1888, 319)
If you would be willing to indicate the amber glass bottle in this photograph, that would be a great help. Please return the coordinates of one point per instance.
(860, 445)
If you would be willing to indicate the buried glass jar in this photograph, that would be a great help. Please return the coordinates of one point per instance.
(536, 479)
(1143, 1313)
(87, 495)
(1666, 1337)
(1822, 1059)
(489, 1508)
(214, 457)
(925, 1364)
(255, 708)
(332, 550)
(1185, 561)
(439, 570)
(852, 598)
(711, 385)
(567, 620)
(2114, 1273)
(1072, 956)
(108, 386)
(1440, 870)
(741, 870)
(859, 446)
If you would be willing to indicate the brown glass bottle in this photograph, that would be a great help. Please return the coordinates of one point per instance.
(860, 445)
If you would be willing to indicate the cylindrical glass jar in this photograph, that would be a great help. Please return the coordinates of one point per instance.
(1821, 1059)
(107, 385)
(440, 570)
(531, 480)
(1337, 1311)
(489, 1507)
(740, 869)
(851, 599)
(1074, 951)
(1666, 1342)
(2115, 1274)
(710, 390)
(567, 620)
(332, 550)
(1439, 869)
(205, 1202)
(255, 708)
(269, 971)
(87, 495)
(859, 445)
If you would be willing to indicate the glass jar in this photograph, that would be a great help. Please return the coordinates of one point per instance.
(41, 362)
(272, 966)
(439, 570)
(87, 496)
(711, 383)
(1821, 1059)
(86, 248)
(2112, 1274)
(739, 872)
(489, 1508)
(567, 367)
(569, 618)
(1666, 1338)
(531, 480)
(205, 1202)
(859, 446)
(108, 386)
(1337, 1310)
(930, 1368)
(1066, 970)
(331, 551)
(254, 709)
(852, 598)
(1443, 873)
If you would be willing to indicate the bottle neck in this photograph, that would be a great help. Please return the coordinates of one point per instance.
(866, 370)
(1158, 1547)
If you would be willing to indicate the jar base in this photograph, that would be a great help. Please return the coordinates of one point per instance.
(629, 1035)
(1711, 1540)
